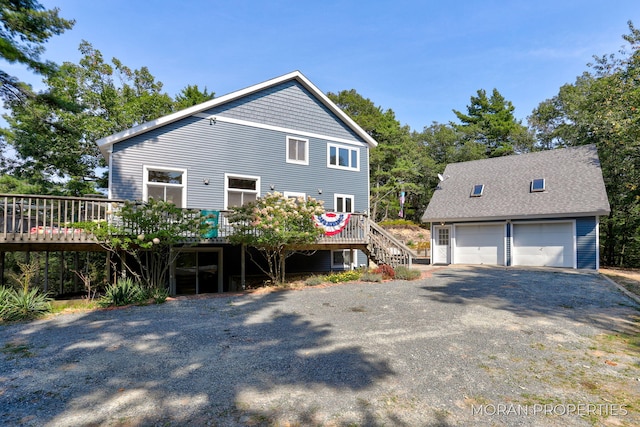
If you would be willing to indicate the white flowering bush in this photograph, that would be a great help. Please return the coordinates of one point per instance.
(275, 225)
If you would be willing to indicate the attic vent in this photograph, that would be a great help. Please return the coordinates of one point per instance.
(477, 190)
(537, 185)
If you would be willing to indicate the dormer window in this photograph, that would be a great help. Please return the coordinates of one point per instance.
(537, 185)
(477, 190)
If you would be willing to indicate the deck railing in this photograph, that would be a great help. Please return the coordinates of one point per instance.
(35, 218)
(26, 218)
(30, 219)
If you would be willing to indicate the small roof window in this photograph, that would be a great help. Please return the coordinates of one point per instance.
(477, 190)
(537, 185)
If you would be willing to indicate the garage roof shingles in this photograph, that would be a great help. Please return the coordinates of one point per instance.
(573, 181)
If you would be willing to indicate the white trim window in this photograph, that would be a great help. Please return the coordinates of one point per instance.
(240, 190)
(294, 195)
(166, 184)
(343, 203)
(343, 157)
(343, 259)
(297, 150)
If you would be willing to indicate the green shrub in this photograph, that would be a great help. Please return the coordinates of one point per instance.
(159, 295)
(315, 280)
(23, 304)
(369, 276)
(344, 276)
(404, 273)
(124, 292)
(4, 297)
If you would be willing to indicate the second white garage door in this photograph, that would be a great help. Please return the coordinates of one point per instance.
(479, 244)
(544, 244)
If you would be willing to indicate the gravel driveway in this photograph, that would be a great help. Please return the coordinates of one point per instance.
(481, 346)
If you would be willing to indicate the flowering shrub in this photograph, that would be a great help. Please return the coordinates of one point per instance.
(146, 232)
(272, 224)
(344, 276)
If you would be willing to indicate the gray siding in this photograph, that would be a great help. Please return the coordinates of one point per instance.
(286, 105)
(586, 242)
(209, 151)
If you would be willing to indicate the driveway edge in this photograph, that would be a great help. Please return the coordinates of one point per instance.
(624, 290)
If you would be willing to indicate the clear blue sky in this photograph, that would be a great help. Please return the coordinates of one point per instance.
(419, 58)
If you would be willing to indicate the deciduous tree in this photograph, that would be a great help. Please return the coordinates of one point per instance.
(57, 143)
(191, 95)
(148, 233)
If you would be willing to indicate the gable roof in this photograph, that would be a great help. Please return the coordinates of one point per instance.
(573, 187)
(105, 143)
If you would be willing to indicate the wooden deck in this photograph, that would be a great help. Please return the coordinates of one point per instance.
(46, 223)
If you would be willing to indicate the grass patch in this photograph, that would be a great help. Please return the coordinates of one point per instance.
(59, 306)
(16, 350)
(314, 280)
(628, 283)
(369, 276)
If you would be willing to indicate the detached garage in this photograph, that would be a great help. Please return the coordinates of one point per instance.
(536, 209)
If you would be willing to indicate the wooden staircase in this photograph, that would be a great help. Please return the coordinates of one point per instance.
(383, 248)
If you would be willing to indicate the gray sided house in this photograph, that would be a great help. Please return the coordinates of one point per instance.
(536, 209)
(281, 135)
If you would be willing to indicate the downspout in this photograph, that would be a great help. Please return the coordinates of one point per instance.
(109, 194)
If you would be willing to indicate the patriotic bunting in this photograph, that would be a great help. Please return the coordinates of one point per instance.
(333, 223)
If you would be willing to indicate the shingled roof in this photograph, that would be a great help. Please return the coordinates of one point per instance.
(573, 187)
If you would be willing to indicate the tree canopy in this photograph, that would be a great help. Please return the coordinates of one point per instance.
(490, 123)
(25, 25)
(53, 133)
(56, 142)
(602, 108)
(397, 164)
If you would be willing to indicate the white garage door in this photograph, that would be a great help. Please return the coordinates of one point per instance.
(547, 244)
(479, 244)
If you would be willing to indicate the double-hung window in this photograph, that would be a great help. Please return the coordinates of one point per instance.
(241, 189)
(297, 150)
(343, 157)
(166, 184)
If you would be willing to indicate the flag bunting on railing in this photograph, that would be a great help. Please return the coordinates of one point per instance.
(333, 223)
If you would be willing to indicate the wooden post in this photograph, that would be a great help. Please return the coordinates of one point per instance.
(61, 272)
(2, 268)
(76, 263)
(172, 275)
(243, 281)
(46, 271)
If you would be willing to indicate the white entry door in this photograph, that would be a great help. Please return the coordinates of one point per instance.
(442, 245)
